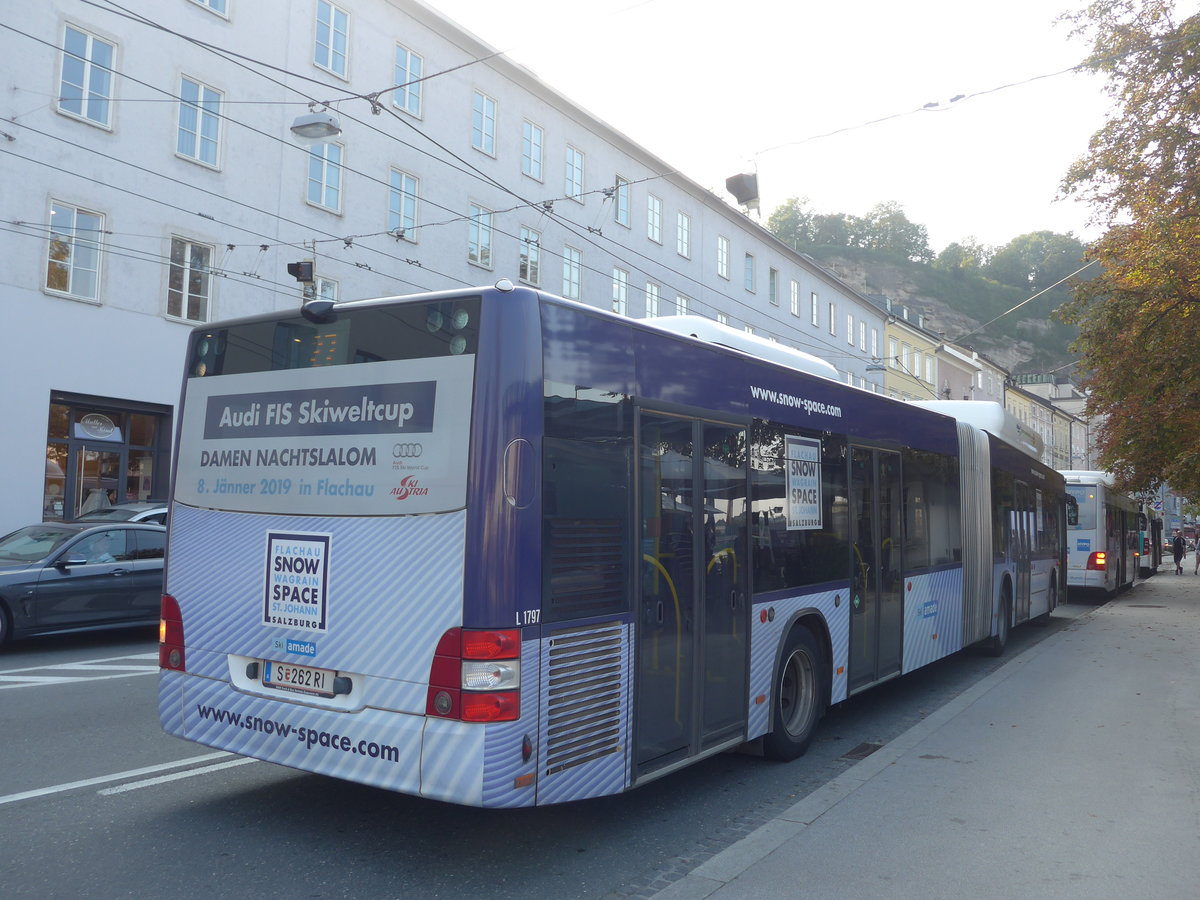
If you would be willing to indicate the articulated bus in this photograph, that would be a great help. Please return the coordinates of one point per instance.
(502, 549)
(1102, 534)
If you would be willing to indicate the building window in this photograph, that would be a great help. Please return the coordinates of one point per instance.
(532, 140)
(773, 286)
(651, 300)
(620, 291)
(85, 89)
(332, 44)
(875, 343)
(409, 69)
(916, 364)
(199, 122)
(324, 288)
(530, 263)
(479, 236)
(893, 353)
(850, 329)
(906, 359)
(654, 218)
(573, 183)
(217, 6)
(402, 206)
(814, 309)
(929, 373)
(189, 283)
(73, 265)
(723, 256)
(572, 267)
(795, 298)
(325, 176)
(682, 304)
(483, 123)
(862, 335)
(683, 235)
(749, 329)
(833, 319)
(748, 272)
(621, 202)
(722, 319)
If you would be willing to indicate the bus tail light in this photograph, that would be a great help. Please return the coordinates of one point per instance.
(170, 636)
(501, 706)
(1098, 561)
(475, 676)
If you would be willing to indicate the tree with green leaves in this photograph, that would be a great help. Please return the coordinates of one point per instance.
(791, 222)
(1036, 261)
(887, 228)
(1139, 317)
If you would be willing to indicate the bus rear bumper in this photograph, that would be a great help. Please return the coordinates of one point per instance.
(373, 747)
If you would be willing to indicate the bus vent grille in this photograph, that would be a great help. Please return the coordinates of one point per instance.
(587, 572)
(584, 695)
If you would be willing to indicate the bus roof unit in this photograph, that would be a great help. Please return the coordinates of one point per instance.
(991, 417)
(724, 336)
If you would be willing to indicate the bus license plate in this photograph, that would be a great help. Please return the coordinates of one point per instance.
(304, 679)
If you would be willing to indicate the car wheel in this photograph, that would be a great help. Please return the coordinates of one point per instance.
(800, 697)
(5, 624)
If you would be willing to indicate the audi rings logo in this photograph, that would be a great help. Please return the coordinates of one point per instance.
(407, 451)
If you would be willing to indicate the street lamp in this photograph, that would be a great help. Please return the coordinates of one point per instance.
(316, 127)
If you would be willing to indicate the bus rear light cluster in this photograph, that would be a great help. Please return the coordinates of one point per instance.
(1098, 561)
(170, 636)
(476, 676)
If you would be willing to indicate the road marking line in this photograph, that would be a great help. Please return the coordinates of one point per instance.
(106, 659)
(22, 681)
(175, 776)
(104, 779)
(97, 667)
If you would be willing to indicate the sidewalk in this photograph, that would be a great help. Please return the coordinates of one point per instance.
(1072, 771)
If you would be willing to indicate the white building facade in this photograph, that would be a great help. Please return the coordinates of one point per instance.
(151, 184)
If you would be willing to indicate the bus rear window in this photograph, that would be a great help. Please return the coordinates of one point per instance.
(1081, 507)
(418, 330)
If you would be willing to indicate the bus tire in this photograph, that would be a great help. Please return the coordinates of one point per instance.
(799, 697)
(1051, 604)
(996, 644)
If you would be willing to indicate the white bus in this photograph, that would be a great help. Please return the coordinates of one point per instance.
(1102, 534)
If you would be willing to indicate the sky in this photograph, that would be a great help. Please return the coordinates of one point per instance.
(715, 88)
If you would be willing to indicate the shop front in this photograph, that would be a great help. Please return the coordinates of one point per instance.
(101, 452)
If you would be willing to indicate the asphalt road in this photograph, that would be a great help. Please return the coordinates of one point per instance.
(97, 802)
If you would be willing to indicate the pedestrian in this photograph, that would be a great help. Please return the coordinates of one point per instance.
(1178, 548)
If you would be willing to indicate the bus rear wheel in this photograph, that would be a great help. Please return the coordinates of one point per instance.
(799, 697)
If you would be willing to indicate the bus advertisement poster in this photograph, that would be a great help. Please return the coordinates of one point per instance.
(376, 439)
(803, 483)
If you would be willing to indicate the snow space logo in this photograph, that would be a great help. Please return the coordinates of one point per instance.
(297, 580)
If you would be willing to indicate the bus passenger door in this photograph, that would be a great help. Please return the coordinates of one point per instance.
(877, 583)
(693, 605)
(1020, 547)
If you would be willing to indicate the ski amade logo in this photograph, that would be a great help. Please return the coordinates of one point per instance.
(409, 487)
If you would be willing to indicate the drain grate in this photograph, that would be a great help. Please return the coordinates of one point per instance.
(862, 751)
(1146, 606)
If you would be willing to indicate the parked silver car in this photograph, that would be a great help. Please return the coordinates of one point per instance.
(153, 511)
(75, 576)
